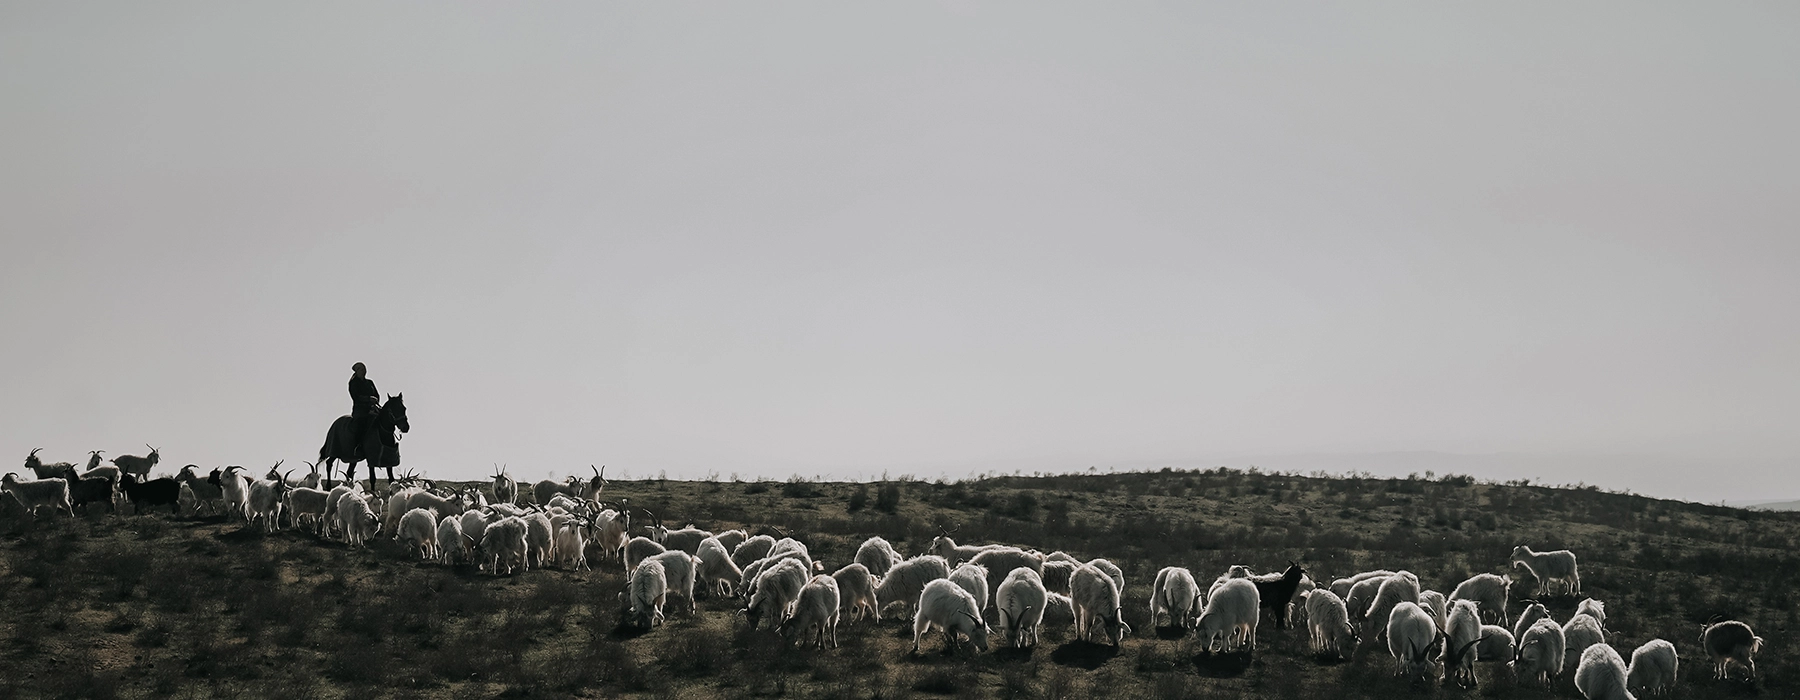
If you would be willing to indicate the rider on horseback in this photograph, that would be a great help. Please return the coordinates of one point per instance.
(364, 401)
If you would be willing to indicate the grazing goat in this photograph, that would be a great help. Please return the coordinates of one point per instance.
(954, 553)
(678, 571)
(1533, 612)
(816, 609)
(1329, 622)
(948, 607)
(1462, 634)
(750, 550)
(1411, 638)
(1579, 633)
(730, 539)
(1342, 586)
(1175, 592)
(1229, 621)
(1489, 593)
(973, 578)
(876, 555)
(1278, 594)
(357, 520)
(1496, 645)
(777, 588)
(686, 539)
(1434, 603)
(418, 530)
(1097, 608)
(648, 588)
(33, 494)
(1730, 641)
(907, 580)
(1001, 561)
(856, 591)
(452, 544)
(1558, 566)
(717, 572)
(1600, 674)
(1653, 667)
(1541, 652)
(1362, 595)
(1402, 587)
(1020, 603)
(503, 546)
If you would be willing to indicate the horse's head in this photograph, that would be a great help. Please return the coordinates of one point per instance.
(396, 409)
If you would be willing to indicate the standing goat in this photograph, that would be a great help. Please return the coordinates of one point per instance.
(1558, 566)
(1600, 674)
(1020, 604)
(38, 493)
(1097, 609)
(817, 609)
(42, 470)
(155, 492)
(1730, 641)
(948, 607)
(1176, 593)
(141, 466)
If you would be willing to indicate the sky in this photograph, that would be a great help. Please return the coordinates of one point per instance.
(1519, 240)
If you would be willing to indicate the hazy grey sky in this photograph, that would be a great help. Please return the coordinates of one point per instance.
(843, 238)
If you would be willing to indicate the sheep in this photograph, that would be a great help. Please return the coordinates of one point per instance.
(37, 493)
(1579, 633)
(357, 520)
(1653, 667)
(571, 547)
(777, 588)
(83, 491)
(1329, 623)
(1533, 612)
(1730, 641)
(906, 581)
(1020, 603)
(717, 570)
(1402, 587)
(1277, 594)
(452, 544)
(505, 489)
(1411, 638)
(1001, 561)
(686, 539)
(1489, 593)
(1558, 566)
(133, 464)
(954, 553)
(1175, 593)
(751, 550)
(503, 545)
(1232, 612)
(418, 530)
(44, 471)
(973, 578)
(1462, 634)
(1434, 602)
(856, 590)
(540, 540)
(1056, 575)
(946, 606)
(876, 555)
(817, 608)
(1601, 674)
(303, 504)
(730, 539)
(648, 588)
(1362, 594)
(1496, 645)
(155, 492)
(1541, 652)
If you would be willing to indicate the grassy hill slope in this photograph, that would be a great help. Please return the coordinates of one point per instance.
(154, 606)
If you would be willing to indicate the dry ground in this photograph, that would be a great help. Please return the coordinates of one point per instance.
(158, 606)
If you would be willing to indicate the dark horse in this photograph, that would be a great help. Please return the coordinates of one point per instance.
(379, 447)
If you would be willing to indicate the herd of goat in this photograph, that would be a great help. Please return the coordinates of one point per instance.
(949, 588)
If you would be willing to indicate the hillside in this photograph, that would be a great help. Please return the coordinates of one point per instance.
(156, 606)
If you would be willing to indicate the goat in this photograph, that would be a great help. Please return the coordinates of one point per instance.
(503, 545)
(1020, 603)
(1461, 635)
(1362, 595)
(750, 550)
(1730, 641)
(37, 493)
(1342, 586)
(234, 489)
(1558, 566)
(1533, 612)
(155, 492)
(452, 544)
(948, 607)
(856, 590)
(1600, 674)
(1402, 587)
(817, 608)
(1329, 623)
(206, 492)
(1175, 592)
(44, 471)
(83, 491)
(1096, 598)
(776, 590)
(140, 466)
(1489, 593)
(678, 571)
(505, 489)
(973, 578)
(1437, 606)
(1541, 652)
(1231, 614)
(1278, 594)
(1496, 645)
(999, 562)
(1412, 637)
(540, 540)
(303, 504)
(356, 519)
(574, 486)
(418, 530)
(907, 580)
(1579, 633)
(717, 571)
(1653, 667)
(1056, 575)
(730, 539)
(876, 555)
(648, 588)
(639, 549)
(953, 553)
(264, 499)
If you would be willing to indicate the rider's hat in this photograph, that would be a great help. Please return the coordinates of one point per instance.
(358, 367)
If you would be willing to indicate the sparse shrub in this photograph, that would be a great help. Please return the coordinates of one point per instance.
(887, 498)
(859, 498)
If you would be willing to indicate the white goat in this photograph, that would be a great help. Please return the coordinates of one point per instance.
(1528, 617)
(1434, 602)
(1097, 607)
(1175, 592)
(817, 609)
(718, 573)
(678, 571)
(639, 549)
(777, 588)
(856, 590)
(33, 494)
(503, 546)
(750, 550)
(1462, 634)
(730, 539)
(954, 553)
(356, 519)
(1558, 566)
(1020, 603)
(1342, 586)
(1362, 595)
(876, 555)
(1056, 575)
(1402, 587)
(234, 490)
(1653, 667)
(1229, 621)
(1496, 645)
(648, 588)
(571, 547)
(973, 578)
(264, 502)
(907, 580)
(452, 544)
(1600, 674)
(1541, 652)
(305, 505)
(418, 530)
(1329, 622)
(1001, 561)
(686, 539)
(1579, 633)
(1412, 639)
(1489, 593)
(948, 607)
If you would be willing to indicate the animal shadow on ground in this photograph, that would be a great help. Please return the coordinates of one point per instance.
(624, 631)
(246, 533)
(1014, 654)
(1225, 665)
(1084, 654)
(1171, 633)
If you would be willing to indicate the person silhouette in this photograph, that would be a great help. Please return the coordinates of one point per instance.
(364, 400)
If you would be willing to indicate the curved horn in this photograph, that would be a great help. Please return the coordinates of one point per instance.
(972, 617)
(287, 477)
(34, 452)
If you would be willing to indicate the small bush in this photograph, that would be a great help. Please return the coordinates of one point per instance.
(887, 498)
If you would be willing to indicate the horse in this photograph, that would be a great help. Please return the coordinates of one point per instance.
(378, 448)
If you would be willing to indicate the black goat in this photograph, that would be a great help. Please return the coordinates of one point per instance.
(1277, 593)
(155, 492)
(93, 489)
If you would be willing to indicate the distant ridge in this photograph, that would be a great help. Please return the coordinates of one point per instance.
(1778, 505)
